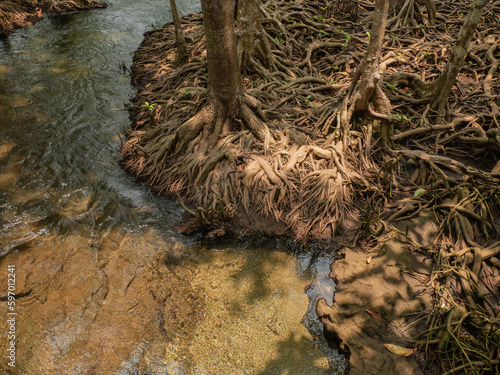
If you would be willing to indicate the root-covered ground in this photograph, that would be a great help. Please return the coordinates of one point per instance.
(19, 13)
(292, 165)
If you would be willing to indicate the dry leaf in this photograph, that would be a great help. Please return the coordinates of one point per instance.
(374, 314)
(399, 350)
(369, 260)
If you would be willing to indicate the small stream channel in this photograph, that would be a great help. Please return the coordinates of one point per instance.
(65, 204)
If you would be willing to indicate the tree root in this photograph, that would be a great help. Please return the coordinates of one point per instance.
(313, 148)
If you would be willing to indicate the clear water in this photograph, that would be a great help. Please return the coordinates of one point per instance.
(60, 83)
(62, 91)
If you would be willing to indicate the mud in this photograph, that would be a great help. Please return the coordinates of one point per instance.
(380, 295)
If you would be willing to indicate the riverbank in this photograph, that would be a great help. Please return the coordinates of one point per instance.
(400, 304)
(21, 13)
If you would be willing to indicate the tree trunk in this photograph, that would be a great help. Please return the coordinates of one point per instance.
(448, 77)
(182, 53)
(252, 38)
(370, 74)
(224, 78)
(365, 92)
(404, 12)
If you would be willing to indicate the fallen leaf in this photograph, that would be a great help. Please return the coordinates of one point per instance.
(419, 191)
(369, 260)
(399, 350)
(374, 314)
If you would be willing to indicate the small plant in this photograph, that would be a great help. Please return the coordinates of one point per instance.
(308, 101)
(347, 39)
(402, 118)
(149, 106)
(392, 87)
(322, 34)
(151, 109)
(336, 67)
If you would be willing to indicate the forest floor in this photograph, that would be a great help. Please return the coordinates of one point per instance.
(374, 191)
(20, 13)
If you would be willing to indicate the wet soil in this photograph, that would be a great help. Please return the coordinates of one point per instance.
(380, 294)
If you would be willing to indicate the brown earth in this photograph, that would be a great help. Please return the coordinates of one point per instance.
(20, 13)
(380, 293)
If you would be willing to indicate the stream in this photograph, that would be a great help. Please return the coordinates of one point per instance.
(104, 284)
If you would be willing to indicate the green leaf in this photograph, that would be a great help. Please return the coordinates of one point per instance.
(419, 191)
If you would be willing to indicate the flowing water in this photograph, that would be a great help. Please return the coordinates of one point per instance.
(63, 88)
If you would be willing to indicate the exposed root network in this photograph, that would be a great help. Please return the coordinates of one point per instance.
(313, 153)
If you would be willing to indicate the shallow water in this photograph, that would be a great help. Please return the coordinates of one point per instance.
(62, 91)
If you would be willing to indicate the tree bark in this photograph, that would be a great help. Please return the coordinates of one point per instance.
(405, 10)
(252, 38)
(370, 74)
(182, 53)
(448, 77)
(224, 79)
(365, 93)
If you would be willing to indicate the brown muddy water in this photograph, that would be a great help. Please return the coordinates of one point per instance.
(103, 284)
